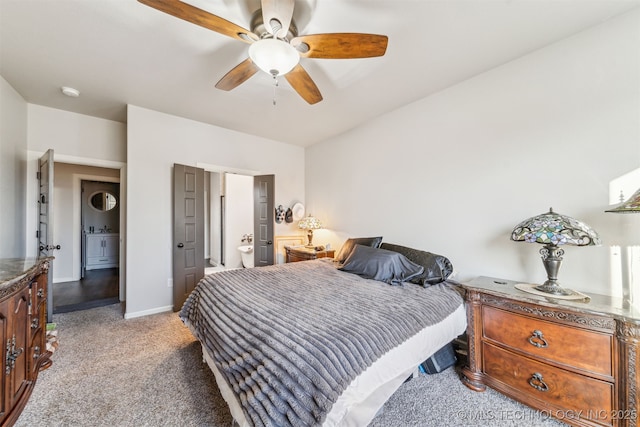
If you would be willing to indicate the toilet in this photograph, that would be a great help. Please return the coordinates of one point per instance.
(246, 252)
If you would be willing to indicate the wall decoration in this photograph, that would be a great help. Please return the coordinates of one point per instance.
(298, 211)
(280, 214)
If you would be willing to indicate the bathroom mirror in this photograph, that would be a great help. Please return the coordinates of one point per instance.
(103, 201)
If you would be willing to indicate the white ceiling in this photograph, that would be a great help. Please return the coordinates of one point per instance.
(118, 52)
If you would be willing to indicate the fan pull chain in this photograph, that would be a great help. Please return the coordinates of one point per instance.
(275, 86)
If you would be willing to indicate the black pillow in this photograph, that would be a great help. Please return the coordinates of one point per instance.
(436, 267)
(348, 246)
(379, 264)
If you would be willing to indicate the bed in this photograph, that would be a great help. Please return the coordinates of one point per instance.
(323, 342)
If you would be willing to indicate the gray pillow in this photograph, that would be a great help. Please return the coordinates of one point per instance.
(379, 264)
(436, 267)
(348, 246)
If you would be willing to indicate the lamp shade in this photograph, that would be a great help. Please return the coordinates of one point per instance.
(309, 223)
(556, 229)
(273, 56)
(552, 230)
(631, 205)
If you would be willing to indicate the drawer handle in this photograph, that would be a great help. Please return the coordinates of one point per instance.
(538, 340)
(538, 383)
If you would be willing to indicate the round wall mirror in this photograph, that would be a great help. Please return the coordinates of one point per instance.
(103, 201)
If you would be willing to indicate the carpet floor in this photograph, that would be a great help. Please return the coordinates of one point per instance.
(148, 371)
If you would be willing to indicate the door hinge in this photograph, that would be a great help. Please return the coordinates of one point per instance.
(38, 175)
(38, 234)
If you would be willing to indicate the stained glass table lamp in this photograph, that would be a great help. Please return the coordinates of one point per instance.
(309, 223)
(554, 230)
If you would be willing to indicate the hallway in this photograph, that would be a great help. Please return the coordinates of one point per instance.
(98, 288)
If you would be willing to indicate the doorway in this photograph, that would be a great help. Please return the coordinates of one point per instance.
(229, 218)
(87, 267)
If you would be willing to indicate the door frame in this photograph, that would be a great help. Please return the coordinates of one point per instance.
(208, 167)
(32, 194)
(77, 216)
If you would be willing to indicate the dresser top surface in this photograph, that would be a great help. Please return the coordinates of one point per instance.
(305, 249)
(597, 304)
(15, 268)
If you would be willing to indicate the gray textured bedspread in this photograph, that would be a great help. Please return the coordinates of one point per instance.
(290, 338)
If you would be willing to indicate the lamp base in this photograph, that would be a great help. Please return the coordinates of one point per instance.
(553, 288)
(310, 238)
(552, 258)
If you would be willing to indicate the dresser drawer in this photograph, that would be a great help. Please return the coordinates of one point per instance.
(304, 254)
(563, 389)
(578, 348)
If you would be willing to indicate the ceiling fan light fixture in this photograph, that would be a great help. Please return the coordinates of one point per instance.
(273, 56)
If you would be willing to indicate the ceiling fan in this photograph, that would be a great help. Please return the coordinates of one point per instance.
(276, 47)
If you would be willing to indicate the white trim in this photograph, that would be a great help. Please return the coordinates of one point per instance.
(142, 313)
(225, 169)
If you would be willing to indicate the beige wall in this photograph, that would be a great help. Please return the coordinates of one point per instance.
(155, 141)
(455, 172)
(13, 172)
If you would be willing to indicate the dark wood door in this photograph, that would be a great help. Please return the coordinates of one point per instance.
(188, 231)
(45, 218)
(263, 208)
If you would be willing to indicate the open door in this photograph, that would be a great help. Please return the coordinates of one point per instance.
(45, 220)
(188, 231)
(263, 208)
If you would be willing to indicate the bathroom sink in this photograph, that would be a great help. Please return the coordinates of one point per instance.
(246, 252)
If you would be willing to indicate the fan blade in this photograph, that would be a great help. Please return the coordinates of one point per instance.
(301, 81)
(341, 45)
(203, 18)
(281, 11)
(238, 75)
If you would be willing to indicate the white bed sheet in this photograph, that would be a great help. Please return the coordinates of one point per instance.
(367, 393)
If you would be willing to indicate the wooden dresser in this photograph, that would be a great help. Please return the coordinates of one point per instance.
(576, 361)
(23, 296)
(302, 253)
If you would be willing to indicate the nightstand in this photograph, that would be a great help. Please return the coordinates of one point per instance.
(577, 361)
(295, 254)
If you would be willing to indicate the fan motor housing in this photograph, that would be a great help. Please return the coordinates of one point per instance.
(260, 29)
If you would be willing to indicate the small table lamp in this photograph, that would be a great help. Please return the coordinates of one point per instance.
(632, 205)
(552, 230)
(309, 223)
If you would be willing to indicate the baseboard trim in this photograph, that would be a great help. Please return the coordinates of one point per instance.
(142, 313)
